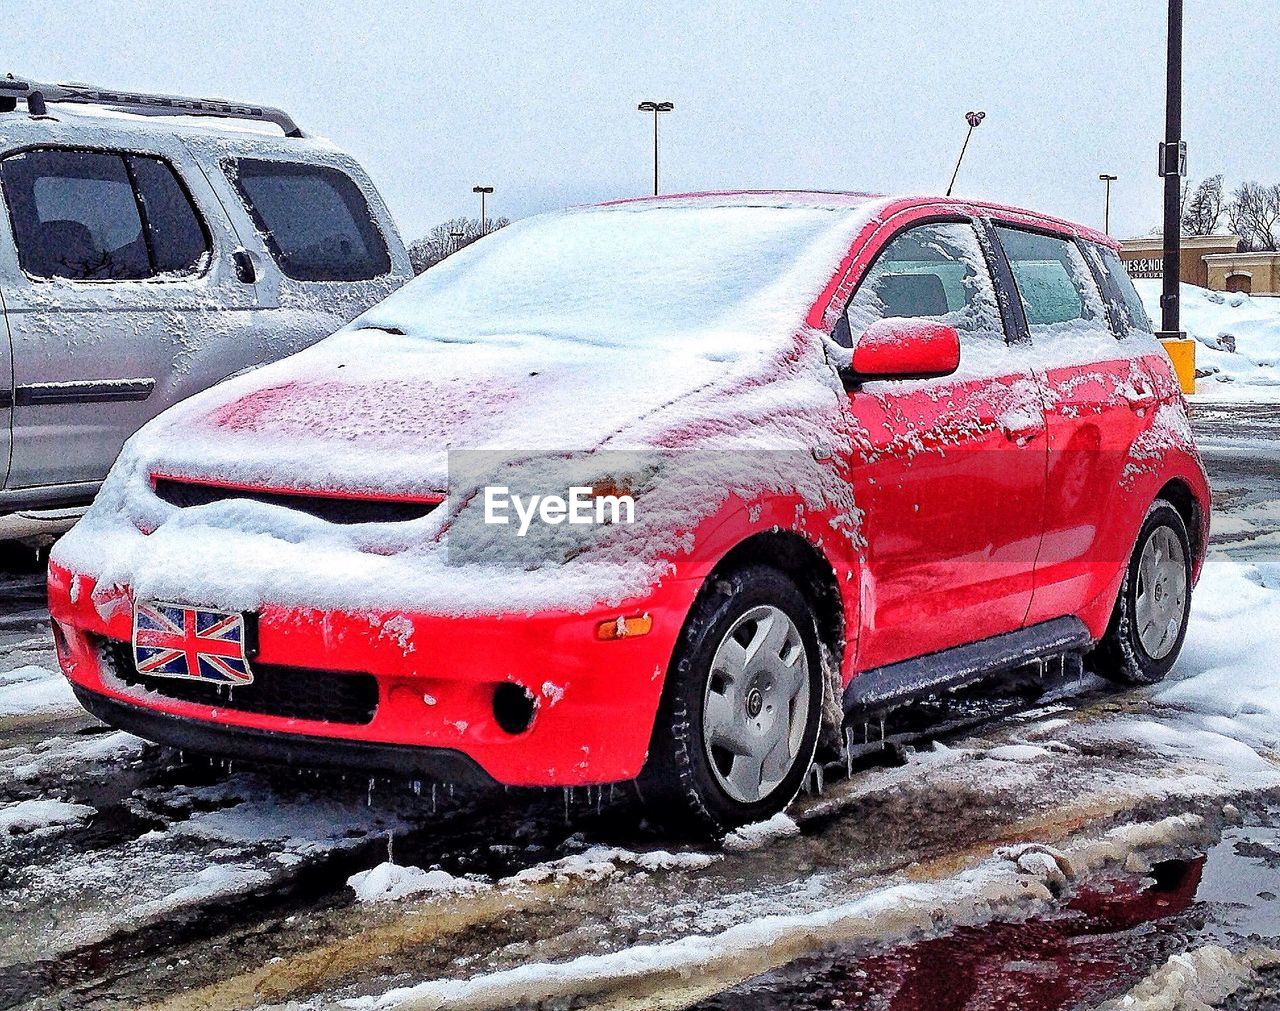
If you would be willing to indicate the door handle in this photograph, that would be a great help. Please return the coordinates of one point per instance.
(1022, 434)
(1140, 399)
(246, 268)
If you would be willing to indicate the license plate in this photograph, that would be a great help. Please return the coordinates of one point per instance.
(196, 643)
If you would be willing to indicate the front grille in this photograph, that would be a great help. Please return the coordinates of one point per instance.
(294, 693)
(332, 508)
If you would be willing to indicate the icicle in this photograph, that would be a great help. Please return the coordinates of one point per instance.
(817, 776)
(433, 798)
(848, 752)
(391, 859)
(417, 788)
(882, 731)
(369, 798)
(568, 793)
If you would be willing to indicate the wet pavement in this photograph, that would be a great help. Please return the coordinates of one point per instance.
(166, 880)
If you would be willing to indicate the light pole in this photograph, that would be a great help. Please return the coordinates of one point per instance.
(483, 191)
(1173, 168)
(655, 108)
(974, 119)
(1106, 207)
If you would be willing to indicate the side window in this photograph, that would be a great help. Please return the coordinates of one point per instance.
(315, 220)
(935, 271)
(179, 242)
(75, 215)
(1058, 291)
(100, 216)
(1128, 310)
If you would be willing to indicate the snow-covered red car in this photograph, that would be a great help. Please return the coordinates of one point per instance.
(790, 458)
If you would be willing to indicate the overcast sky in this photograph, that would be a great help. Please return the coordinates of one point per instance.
(539, 100)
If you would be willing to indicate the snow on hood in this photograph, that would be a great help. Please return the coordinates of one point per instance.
(679, 328)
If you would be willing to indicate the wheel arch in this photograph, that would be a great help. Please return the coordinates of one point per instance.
(1179, 495)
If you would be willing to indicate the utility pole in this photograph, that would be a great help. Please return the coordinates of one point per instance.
(1106, 207)
(483, 191)
(1173, 169)
(655, 108)
(974, 119)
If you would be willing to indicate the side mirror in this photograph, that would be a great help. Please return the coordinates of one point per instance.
(903, 348)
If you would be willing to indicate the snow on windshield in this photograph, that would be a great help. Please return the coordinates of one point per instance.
(616, 276)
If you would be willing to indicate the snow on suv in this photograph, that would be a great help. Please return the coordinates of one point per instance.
(663, 491)
(146, 254)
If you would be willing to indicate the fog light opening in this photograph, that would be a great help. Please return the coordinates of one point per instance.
(513, 707)
(60, 642)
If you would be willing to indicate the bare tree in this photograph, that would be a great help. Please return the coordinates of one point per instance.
(1202, 211)
(1254, 215)
(447, 238)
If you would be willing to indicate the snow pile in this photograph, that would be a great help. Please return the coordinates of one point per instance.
(597, 862)
(34, 815)
(389, 882)
(34, 691)
(559, 345)
(1239, 337)
(761, 834)
(1202, 978)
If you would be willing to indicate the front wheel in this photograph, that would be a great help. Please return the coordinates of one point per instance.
(741, 709)
(1150, 619)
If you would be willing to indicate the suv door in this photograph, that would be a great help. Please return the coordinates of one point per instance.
(1099, 399)
(119, 290)
(949, 473)
(325, 245)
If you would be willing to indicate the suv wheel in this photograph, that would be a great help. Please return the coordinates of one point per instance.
(741, 708)
(1150, 619)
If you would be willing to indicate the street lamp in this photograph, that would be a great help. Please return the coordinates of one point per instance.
(483, 191)
(974, 119)
(655, 108)
(1106, 211)
(456, 237)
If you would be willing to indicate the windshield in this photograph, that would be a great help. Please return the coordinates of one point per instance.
(622, 276)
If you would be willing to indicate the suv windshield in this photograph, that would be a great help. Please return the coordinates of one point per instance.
(625, 276)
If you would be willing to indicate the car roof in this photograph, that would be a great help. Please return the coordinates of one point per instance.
(890, 205)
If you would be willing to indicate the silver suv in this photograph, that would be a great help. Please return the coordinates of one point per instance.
(150, 247)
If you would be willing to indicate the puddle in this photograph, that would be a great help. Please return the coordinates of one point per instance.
(1112, 933)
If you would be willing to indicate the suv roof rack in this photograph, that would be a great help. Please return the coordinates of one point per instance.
(36, 95)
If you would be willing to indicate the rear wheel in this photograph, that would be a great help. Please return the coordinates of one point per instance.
(741, 708)
(1150, 620)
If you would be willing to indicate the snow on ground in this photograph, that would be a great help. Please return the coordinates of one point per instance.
(33, 690)
(1238, 335)
(388, 882)
(34, 815)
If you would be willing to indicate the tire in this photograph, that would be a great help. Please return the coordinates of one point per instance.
(1149, 623)
(724, 752)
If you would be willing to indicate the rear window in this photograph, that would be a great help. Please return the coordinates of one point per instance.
(314, 218)
(100, 216)
(1053, 280)
(1133, 314)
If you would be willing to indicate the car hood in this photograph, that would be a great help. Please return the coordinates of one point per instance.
(368, 411)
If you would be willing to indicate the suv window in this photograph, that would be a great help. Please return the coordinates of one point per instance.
(935, 271)
(179, 243)
(79, 215)
(1054, 282)
(315, 220)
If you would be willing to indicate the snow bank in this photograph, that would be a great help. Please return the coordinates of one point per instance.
(1239, 337)
(1010, 885)
(33, 815)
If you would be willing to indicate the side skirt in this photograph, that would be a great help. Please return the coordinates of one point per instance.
(883, 687)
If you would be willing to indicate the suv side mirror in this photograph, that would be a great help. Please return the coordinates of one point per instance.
(903, 348)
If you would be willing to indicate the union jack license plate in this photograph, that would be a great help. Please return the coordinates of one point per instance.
(176, 641)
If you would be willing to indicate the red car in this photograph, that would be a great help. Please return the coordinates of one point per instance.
(660, 490)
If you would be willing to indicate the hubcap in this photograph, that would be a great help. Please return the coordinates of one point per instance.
(756, 704)
(1162, 592)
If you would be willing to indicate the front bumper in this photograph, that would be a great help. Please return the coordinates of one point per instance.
(595, 701)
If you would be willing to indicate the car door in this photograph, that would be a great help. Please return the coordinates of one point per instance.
(121, 297)
(949, 474)
(1098, 400)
